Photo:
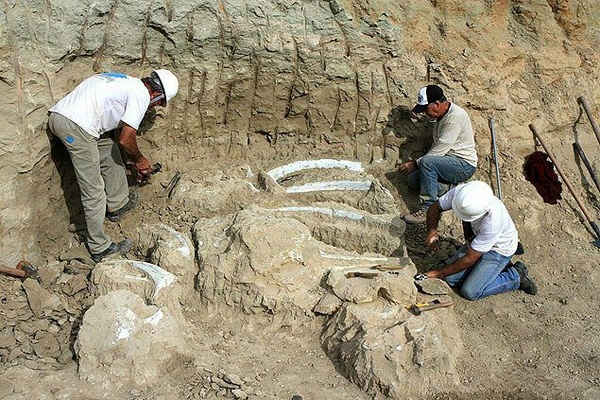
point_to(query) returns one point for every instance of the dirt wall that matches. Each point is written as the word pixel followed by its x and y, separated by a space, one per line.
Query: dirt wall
pixel 260 80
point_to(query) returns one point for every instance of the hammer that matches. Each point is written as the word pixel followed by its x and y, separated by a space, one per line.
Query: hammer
pixel 23 270
pixel 417 309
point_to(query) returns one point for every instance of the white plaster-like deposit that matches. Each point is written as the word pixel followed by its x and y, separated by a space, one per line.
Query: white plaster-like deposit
pixel 350 258
pixel 125 324
pixel 160 277
pixel 280 172
pixel 184 248
pixel 331 212
pixel 329 186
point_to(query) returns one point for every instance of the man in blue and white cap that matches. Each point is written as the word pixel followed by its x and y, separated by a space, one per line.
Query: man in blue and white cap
pixel 452 158
pixel 482 266
pixel 84 120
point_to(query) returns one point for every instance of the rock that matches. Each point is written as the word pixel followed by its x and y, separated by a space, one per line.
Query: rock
pixel 239 394
pixel 384 346
pixel 14 354
pixel 233 379
pixel 46 345
pixel 7 338
pixel 172 250
pixel 356 290
pixel 433 286
pixel 396 286
pixel 328 304
pixel 75 284
pixel 122 339
pixel 77 267
pixel 41 301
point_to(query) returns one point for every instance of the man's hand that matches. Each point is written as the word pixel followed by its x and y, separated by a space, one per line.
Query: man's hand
pixel 144 169
pixel 434 274
pixel 408 167
pixel 433 238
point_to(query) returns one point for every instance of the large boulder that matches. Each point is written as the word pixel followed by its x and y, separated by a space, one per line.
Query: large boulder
pixel 123 341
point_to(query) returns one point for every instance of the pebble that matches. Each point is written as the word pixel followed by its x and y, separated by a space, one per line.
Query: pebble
pixel 233 379
pixel 239 394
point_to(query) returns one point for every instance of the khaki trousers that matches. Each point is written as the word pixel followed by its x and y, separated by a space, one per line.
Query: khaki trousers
pixel 100 174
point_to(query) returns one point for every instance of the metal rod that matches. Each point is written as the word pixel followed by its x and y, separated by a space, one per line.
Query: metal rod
pixel 587 164
pixel 491 122
pixel 586 108
pixel 564 178
pixel 168 192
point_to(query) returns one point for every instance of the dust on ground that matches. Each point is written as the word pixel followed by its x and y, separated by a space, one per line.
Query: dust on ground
pixel 516 346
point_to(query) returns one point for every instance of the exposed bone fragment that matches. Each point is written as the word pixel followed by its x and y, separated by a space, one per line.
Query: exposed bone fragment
pixel 280 172
pixel 328 186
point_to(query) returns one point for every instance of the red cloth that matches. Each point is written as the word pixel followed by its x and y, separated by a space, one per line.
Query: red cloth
pixel 540 172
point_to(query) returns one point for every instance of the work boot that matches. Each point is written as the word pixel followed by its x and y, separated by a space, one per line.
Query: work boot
pixel 115 216
pixel 123 247
pixel 418 217
pixel 526 283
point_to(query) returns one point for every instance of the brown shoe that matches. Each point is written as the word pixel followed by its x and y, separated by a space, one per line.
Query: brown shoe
pixel 123 247
pixel 418 217
pixel 526 283
pixel 115 216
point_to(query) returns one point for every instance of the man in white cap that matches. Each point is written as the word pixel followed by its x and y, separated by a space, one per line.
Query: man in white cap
pixel 83 121
pixel 481 267
pixel 452 158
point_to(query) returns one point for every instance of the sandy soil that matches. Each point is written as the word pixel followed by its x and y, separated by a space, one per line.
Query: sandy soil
pixel 517 346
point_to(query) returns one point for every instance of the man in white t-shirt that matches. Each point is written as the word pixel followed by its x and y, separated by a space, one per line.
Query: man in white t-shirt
pixel 83 121
pixel 452 158
pixel 481 266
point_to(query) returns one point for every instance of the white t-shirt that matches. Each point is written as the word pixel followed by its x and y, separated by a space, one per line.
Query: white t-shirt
pixel 494 231
pixel 101 102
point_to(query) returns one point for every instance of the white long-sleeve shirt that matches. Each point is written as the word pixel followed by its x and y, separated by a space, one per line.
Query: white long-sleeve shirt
pixel 453 136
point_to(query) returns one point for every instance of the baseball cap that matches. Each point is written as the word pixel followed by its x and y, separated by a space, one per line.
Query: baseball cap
pixel 427 95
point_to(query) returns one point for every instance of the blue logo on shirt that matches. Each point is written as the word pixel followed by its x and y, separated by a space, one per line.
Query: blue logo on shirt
pixel 70 139
pixel 114 75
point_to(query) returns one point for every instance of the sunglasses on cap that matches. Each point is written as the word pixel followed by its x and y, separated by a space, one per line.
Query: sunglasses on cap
pixel 160 100
pixel 158 83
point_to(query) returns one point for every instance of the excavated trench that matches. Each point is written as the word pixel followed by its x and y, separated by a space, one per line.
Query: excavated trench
pixel 288 254
pixel 289 122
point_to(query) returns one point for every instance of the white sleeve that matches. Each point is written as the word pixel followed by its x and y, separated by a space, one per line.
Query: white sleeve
pixel 446 200
pixel 136 107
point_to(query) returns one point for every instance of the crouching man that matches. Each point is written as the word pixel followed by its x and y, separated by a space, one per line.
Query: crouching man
pixel 481 266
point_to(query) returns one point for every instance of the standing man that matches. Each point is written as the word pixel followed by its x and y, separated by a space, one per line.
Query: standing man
pixel 481 266
pixel 452 158
pixel 83 119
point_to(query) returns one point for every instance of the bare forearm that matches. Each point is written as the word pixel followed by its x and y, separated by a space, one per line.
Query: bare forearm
pixel 464 262
pixel 128 141
pixel 451 269
pixel 434 214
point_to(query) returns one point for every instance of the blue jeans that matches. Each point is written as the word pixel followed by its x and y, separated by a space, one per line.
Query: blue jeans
pixel 486 277
pixel 435 169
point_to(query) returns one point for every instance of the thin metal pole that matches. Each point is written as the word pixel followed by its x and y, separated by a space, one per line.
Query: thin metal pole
pixel 586 108
pixel 491 122
pixel 587 164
